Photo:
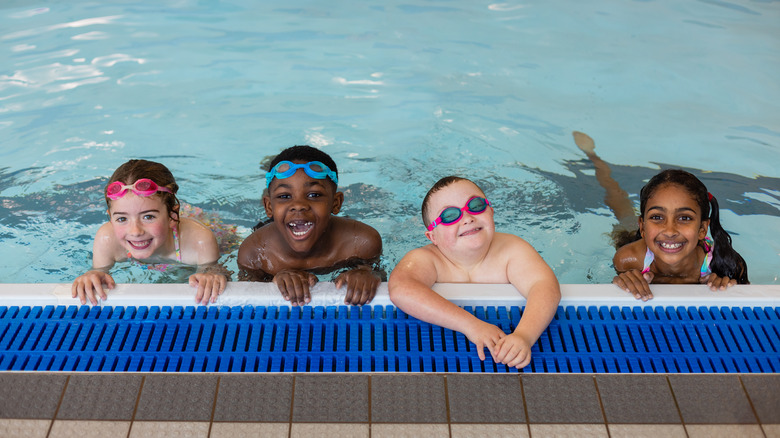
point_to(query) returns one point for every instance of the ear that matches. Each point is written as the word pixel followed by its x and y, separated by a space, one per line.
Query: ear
pixel 269 209
pixel 705 224
pixel 430 236
pixel 641 226
pixel 338 200
pixel 174 214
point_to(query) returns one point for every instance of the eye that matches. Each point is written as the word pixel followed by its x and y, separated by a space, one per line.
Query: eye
pixel 685 218
pixel 282 196
pixel 120 219
pixel 149 217
pixel 655 217
pixel 314 195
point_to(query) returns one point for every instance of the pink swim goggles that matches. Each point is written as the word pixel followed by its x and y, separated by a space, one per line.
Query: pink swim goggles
pixel 143 187
pixel 451 215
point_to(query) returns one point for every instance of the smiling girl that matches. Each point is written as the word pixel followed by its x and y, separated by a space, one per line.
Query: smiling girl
pixel 145 228
pixel 672 245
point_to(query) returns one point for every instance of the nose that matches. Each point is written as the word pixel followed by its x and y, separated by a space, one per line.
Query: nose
pixel 670 228
pixel 135 228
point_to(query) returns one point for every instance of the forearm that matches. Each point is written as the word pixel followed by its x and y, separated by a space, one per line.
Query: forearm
pixel 423 303
pixel 540 308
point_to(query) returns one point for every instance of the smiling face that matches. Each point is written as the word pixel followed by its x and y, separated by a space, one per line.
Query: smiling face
pixel 301 207
pixel 471 231
pixel 143 226
pixel 672 224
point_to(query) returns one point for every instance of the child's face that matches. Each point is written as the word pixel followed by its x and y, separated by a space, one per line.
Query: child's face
pixel 142 225
pixel 672 225
pixel 471 231
pixel 301 207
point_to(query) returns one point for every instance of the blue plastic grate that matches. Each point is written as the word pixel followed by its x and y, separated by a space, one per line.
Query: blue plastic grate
pixel 376 338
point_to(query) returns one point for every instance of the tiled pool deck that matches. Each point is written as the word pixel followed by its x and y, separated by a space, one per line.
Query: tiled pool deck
pixel 394 405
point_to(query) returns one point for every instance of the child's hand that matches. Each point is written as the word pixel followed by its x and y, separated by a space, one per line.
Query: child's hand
pixel 294 286
pixel 635 283
pixel 90 285
pixel 361 286
pixel 717 283
pixel 484 335
pixel 210 285
pixel 513 350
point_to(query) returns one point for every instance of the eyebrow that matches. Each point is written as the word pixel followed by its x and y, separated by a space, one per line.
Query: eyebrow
pixel 658 207
pixel 143 212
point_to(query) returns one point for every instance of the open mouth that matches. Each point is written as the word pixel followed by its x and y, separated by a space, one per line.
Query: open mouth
pixel 300 228
pixel 139 244
pixel 671 246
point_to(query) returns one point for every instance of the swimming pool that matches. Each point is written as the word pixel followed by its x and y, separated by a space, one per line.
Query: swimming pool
pixel 399 95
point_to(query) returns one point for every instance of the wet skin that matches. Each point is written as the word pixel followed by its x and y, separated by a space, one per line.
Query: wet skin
pixel 305 238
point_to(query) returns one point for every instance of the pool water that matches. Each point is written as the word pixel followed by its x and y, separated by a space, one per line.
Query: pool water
pixel 400 95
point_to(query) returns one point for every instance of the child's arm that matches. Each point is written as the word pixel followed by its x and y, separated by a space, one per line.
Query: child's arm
pixel 199 246
pixel 89 286
pixel 410 290
pixel 363 280
pixel 534 279
pixel 628 261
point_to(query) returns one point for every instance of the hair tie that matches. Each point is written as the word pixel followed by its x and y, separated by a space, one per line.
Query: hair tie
pixel 709 196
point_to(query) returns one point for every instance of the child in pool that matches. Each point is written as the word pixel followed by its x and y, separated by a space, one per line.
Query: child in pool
pixel 465 248
pixel 671 245
pixel 144 227
pixel 305 237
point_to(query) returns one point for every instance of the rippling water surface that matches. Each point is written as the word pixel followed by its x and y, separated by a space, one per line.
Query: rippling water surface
pixel 399 94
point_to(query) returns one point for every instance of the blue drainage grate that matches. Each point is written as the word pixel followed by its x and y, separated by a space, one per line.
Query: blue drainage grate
pixel 376 338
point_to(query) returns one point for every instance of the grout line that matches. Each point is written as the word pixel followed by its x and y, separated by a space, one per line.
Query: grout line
pixel 369 406
pixel 57 410
pixel 750 402
pixel 525 407
pixel 137 402
pixel 447 404
pixel 677 405
pixel 214 405
pixel 601 406
pixel 292 405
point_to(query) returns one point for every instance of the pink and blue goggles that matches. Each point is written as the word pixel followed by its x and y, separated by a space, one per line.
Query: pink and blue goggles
pixel 286 169
pixel 143 187
pixel 451 215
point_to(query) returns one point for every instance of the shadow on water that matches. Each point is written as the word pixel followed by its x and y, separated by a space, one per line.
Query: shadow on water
pixel 733 191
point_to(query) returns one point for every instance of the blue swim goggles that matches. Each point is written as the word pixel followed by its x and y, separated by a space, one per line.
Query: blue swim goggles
pixel 286 169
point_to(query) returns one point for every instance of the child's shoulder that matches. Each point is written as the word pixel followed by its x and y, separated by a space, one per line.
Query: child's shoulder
pixel 630 256
pixel 357 236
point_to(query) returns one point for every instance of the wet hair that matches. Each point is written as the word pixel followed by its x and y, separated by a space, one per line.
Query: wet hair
pixel 307 154
pixel 133 170
pixel 440 184
pixel 726 262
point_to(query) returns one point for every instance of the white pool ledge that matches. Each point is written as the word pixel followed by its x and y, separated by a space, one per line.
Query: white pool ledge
pixel 325 294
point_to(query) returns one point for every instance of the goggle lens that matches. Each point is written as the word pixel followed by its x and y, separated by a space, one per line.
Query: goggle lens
pixel 314 169
pixel 142 187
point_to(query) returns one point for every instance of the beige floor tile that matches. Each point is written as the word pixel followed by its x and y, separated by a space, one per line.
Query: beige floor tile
pixel 241 430
pixel 646 430
pixel 24 428
pixel 89 429
pixel 491 430
pixel 169 429
pixel 341 430
pixel 569 430
pixel 724 430
pixel 771 430
pixel 406 430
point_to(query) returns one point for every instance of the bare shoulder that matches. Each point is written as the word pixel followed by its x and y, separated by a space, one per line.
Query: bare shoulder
pixel 510 245
pixel 630 256
pixel 105 249
pixel 193 230
pixel 420 264
pixel 359 239
pixel 250 252
pixel 198 243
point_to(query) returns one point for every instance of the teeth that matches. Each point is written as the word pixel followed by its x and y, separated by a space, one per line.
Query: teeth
pixel 666 245
pixel 296 226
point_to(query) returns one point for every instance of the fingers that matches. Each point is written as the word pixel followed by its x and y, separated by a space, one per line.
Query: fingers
pixel 719 283
pixel 294 286
pixel 635 283
pixel 361 286
pixel 89 287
